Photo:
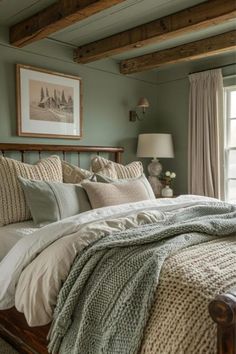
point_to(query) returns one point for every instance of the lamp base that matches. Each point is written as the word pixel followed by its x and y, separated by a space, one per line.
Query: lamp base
pixel 155 169
pixel 156 185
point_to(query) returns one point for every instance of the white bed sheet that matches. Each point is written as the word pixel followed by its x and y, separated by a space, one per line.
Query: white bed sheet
pixel 11 234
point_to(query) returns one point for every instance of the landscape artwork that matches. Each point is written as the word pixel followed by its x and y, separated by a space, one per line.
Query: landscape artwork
pixel 48 103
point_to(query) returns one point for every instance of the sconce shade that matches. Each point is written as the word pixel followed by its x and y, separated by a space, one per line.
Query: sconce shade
pixel 155 145
pixel 143 103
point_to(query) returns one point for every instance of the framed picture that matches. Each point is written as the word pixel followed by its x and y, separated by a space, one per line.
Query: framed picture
pixel 48 103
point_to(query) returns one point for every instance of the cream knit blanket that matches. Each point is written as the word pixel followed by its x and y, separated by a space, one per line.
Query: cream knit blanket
pixel 180 322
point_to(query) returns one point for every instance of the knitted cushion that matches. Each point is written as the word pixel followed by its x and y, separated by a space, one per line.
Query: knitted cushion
pixel 13 207
pixel 108 171
pixel 134 169
pixel 74 174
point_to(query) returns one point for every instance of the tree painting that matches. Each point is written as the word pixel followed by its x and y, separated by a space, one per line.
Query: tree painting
pixel 52 103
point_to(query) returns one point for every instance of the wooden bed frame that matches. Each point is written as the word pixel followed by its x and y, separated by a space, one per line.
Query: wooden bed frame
pixel 33 340
pixel 40 148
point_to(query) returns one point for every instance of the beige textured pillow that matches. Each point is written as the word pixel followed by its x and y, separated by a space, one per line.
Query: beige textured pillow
pixel 74 174
pixel 132 170
pixel 107 194
pixel 13 206
pixel 108 171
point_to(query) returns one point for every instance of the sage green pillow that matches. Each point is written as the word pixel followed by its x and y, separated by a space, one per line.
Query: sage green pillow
pixel 52 201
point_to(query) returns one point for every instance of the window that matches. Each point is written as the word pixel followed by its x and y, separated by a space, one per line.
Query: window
pixel 230 144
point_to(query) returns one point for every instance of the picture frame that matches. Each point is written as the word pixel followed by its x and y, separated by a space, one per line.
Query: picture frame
pixel 49 104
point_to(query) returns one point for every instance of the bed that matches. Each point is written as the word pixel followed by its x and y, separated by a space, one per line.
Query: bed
pixel 14 328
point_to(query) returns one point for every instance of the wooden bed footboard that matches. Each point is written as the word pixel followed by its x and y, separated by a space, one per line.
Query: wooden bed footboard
pixel 15 330
pixel 223 311
pixel 28 340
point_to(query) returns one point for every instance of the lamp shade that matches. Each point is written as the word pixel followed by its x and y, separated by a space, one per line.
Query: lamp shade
pixel 143 103
pixel 155 145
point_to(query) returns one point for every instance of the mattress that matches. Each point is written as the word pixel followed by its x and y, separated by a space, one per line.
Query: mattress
pixel 11 234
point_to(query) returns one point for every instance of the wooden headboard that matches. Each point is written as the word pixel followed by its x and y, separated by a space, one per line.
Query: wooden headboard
pixel 23 148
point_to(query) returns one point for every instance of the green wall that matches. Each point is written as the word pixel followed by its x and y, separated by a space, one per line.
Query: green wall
pixel 107 96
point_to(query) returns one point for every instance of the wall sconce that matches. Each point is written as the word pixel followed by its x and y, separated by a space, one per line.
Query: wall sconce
pixel 142 103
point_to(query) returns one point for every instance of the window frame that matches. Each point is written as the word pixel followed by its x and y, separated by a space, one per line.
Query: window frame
pixel 227 131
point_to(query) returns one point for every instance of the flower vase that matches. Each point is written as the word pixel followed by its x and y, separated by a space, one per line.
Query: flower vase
pixel 167 192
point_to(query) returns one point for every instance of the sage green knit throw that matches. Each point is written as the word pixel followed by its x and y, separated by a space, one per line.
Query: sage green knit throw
pixel 104 304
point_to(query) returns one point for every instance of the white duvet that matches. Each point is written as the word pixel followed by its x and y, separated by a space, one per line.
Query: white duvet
pixel 11 234
pixel 34 270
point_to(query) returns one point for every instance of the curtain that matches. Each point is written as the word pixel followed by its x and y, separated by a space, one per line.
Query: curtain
pixel 205 126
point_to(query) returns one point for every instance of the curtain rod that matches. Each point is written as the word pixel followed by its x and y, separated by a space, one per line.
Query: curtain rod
pixel 216 67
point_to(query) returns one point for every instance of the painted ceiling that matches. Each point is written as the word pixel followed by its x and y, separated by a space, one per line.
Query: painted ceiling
pixel 113 20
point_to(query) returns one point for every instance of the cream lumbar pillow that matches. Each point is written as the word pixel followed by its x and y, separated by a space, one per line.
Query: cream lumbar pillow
pixel 13 207
pixel 119 192
pixel 132 170
pixel 74 174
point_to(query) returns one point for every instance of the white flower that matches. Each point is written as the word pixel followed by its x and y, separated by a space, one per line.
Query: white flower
pixel 172 175
pixel 167 173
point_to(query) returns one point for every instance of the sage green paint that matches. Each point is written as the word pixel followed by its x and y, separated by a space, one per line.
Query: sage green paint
pixel 128 14
pixel 107 96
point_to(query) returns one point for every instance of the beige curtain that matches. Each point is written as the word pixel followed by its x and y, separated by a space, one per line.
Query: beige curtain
pixel 205 115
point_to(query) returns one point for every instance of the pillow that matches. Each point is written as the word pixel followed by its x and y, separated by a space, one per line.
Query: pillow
pixel 108 171
pixel 106 179
pixel 52 201
pixel 134 169
pixel 119 192
pixel 74 174
pixel 13 207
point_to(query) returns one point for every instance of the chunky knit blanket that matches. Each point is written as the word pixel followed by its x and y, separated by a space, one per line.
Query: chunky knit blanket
pixel 179 321
pixel 105 302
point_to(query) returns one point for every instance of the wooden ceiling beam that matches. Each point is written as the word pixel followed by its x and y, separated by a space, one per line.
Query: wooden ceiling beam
pixel 194 18
pixel 186 52
pixel 58 16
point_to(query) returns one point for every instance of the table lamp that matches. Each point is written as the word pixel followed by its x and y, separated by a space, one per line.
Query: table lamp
pixel 155 146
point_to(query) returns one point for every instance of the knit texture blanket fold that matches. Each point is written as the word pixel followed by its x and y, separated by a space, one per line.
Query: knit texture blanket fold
pixel 104 304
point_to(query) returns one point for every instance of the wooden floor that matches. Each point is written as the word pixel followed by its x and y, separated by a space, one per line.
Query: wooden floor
pixel 25 339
